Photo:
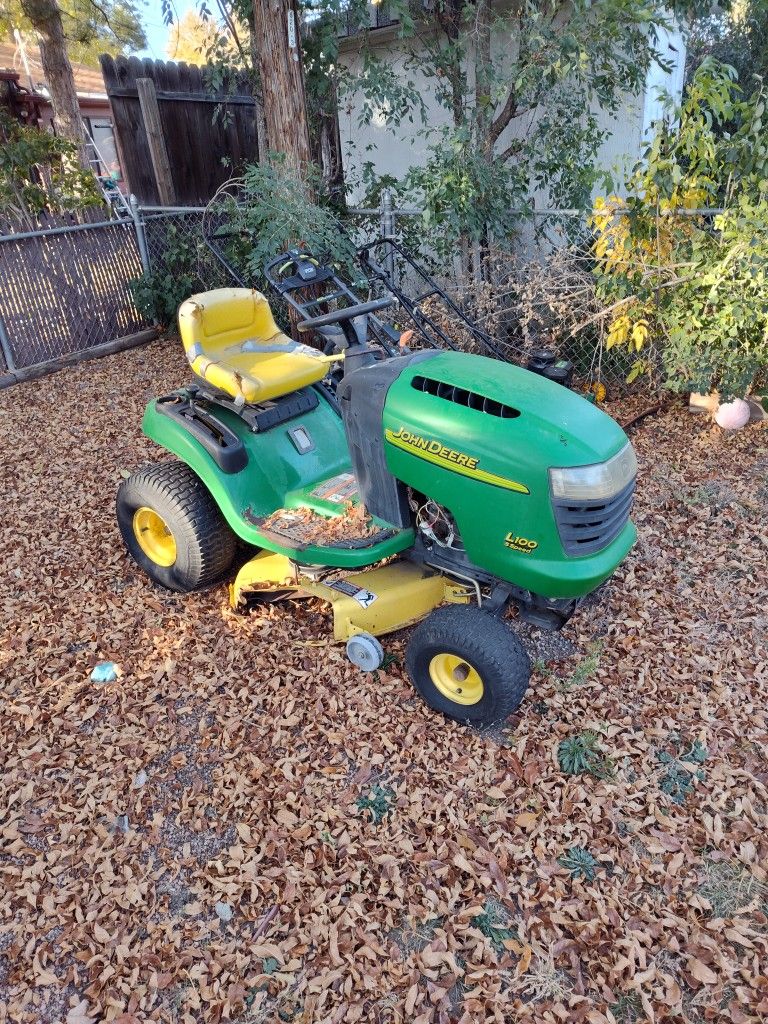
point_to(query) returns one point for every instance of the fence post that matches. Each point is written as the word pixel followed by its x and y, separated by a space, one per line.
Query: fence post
pixel 141 236
pixel 5 348
pixel 387 227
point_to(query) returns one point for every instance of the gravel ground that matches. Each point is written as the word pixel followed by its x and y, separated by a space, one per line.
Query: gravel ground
pixel 243 826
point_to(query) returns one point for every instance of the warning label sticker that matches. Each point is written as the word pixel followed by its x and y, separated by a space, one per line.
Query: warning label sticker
pixel 364 598
pixel 338 489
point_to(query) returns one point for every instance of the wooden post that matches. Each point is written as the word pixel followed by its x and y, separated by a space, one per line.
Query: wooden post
pixel 157 151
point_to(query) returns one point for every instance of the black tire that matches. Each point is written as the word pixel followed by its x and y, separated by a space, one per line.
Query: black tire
pixel 205 545
pixel 483 643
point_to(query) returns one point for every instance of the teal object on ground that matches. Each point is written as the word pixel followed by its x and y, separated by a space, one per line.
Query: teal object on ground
pixel 104 672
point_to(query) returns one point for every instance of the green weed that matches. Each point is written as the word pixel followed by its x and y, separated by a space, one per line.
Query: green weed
pixel 580 862
pixel 677 780
pixel 581 755
pixel 494 923
pixel 628 1008
pixel 585 669
pixel 388 661
pixel 379 803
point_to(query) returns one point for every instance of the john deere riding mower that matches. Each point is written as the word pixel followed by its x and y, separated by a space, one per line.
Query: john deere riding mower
pixel 431 487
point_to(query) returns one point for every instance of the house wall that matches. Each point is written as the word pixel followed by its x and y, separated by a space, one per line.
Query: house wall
pixel 394 150
pixel 391 150
pixel 97 116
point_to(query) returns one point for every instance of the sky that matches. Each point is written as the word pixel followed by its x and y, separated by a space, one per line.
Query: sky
pixel 156 31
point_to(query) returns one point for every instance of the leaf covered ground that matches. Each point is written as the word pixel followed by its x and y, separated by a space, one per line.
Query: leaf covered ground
pixel 243 826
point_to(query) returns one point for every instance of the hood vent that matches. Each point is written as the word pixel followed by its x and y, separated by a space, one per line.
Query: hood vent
pixel 461 396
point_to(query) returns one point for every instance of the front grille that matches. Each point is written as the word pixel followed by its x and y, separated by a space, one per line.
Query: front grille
pixel 589 526
pixel 461 396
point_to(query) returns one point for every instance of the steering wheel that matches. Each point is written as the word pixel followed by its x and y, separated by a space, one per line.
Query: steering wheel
pixel 340 315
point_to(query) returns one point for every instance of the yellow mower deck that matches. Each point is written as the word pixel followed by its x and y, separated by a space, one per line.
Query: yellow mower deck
pixel 376 601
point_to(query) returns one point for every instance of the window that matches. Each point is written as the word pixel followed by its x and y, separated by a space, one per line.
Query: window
pixel 102 147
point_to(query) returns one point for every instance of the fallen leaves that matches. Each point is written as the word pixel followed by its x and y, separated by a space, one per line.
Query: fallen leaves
pixel 79 1014
pixel 354 523
pixel 224 768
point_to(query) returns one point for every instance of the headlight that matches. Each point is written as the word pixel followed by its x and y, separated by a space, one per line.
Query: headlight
pixel 593 483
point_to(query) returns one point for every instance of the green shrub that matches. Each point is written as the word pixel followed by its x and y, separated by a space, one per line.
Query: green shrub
pixel 693 286
pixel 39 172
pixel 159 294
pixel 272 209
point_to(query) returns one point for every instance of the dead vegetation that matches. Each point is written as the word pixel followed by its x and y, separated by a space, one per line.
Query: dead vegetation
pixel 354 523
pixel 194 842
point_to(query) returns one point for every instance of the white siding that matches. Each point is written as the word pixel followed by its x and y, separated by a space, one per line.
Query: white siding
pixel 394 150
pixel 671 45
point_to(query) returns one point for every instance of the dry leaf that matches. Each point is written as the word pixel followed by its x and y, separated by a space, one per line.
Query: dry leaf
pixel 79 1014
pixel 525 961
pixel 701 972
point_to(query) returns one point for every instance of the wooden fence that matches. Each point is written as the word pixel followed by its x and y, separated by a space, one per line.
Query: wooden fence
pixel 64 288
pixel 177 138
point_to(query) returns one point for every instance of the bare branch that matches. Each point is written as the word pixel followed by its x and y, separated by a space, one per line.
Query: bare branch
pixel 230 23
pixel 502 119
pixel 512 150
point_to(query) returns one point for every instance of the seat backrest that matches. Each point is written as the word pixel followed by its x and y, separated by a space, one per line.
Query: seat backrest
pixel 225 316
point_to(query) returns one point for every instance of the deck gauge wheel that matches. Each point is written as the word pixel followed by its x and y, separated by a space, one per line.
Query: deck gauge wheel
pixel 365 651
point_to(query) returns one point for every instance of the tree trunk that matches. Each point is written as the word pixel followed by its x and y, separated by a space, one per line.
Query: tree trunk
pixel 326 146
pixel 261 128
pixel 450 17
pixel 282 79
pixel 483 116
pixel 483 78
pixel 45 17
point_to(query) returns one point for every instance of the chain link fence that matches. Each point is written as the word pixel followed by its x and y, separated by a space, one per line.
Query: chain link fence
pixel 64 289
pixel 174 242
pixel 541 291
pixel 68 288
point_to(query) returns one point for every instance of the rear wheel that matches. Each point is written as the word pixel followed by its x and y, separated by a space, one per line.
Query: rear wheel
pixel 172 527
pixel 468 664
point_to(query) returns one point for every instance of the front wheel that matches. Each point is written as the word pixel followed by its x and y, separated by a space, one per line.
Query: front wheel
pixel 468 664
pixel 173 528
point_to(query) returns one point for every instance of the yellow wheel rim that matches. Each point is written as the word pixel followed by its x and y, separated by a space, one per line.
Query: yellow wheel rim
pixel 155 539
pixel 456 679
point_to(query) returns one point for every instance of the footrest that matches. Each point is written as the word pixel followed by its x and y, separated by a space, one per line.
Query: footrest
pixel 301 527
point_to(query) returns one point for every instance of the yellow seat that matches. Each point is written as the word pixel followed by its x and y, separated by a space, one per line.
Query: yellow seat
pixel 232 342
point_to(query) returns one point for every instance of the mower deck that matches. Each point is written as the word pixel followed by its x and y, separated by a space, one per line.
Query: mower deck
pixel 377 601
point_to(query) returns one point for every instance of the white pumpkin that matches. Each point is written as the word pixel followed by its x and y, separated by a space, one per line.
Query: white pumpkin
pixel 733 415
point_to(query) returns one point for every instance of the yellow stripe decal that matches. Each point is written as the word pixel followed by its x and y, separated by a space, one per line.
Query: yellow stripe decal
pixel 439 460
